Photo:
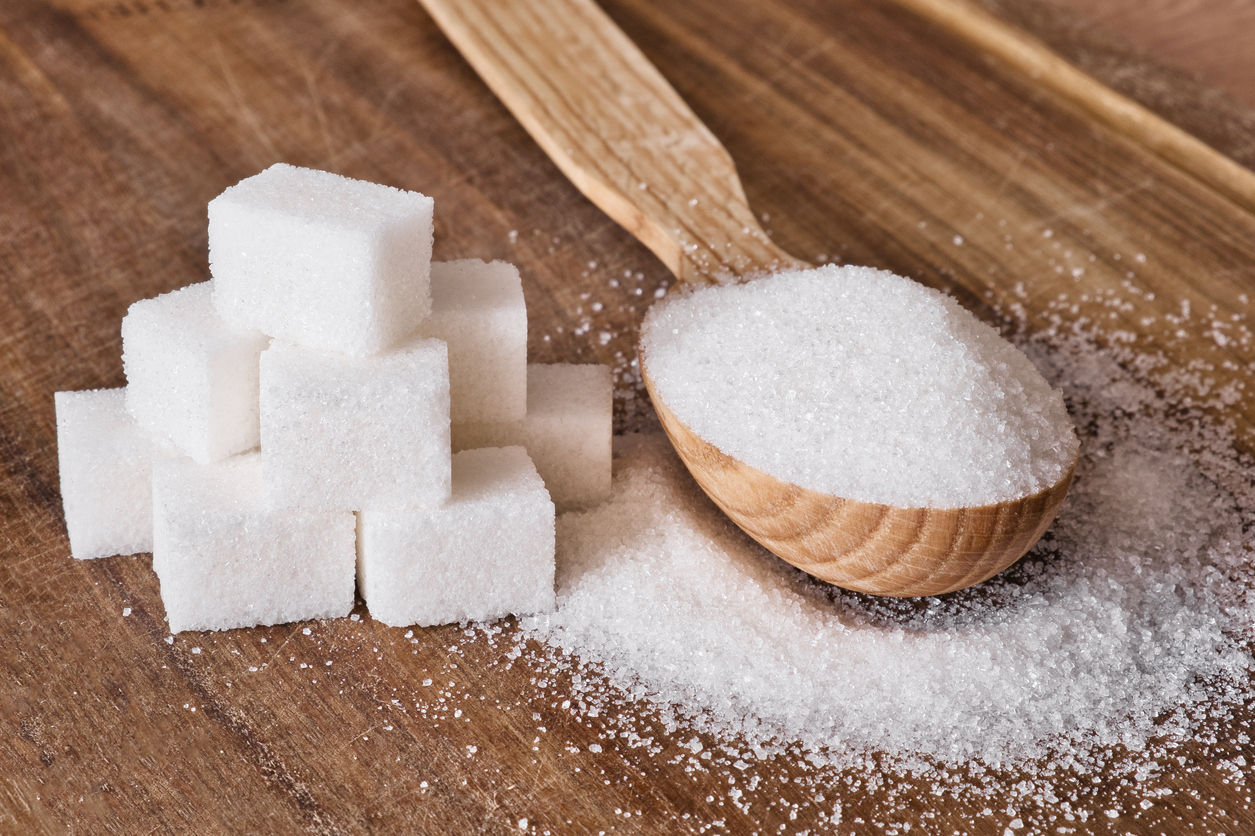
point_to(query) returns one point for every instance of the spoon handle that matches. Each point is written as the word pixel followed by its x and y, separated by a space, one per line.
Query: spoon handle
pixel 617 129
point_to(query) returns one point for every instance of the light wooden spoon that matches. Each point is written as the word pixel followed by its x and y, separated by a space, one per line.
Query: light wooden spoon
pixel 627 140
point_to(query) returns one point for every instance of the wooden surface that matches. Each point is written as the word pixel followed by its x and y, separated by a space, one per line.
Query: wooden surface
pixel 1201 33
pixel 1203 38
pixel 861 133
pixel 1025 53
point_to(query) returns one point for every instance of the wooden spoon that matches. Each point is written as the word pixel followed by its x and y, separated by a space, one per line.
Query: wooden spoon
pixel 627 140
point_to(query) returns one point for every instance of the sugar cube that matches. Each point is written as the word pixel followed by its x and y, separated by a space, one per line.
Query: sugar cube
pixel 321 260
pixel 348 433
pixel 566 431
pixel 478 310
pixel 105 461
pixel 191 378
pixel 224 561
pixel 487 552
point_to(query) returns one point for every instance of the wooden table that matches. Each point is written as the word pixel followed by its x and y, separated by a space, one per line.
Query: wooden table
pixel 1204 38
pixel 862 132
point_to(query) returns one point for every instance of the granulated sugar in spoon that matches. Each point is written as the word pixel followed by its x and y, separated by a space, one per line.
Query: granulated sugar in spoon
pixel 862 427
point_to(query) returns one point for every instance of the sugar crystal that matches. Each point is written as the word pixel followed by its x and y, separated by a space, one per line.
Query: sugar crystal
pixel 861 384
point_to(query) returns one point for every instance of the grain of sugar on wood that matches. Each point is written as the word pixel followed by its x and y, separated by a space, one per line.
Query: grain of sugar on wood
pixel 1098 654
pixel 1124 633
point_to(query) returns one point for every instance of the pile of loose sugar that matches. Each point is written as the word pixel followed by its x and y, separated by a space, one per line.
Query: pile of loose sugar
pixel 1113 633
pixel 861 384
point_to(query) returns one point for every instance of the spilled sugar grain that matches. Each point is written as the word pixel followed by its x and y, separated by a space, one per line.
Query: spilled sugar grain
pixel 1132 615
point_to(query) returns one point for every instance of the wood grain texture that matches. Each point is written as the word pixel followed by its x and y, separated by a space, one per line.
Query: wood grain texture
pixel 1124 58
pixel 864 546
pixel 1193 35
pixel 973 24
pixel 614 125
pixel 851 123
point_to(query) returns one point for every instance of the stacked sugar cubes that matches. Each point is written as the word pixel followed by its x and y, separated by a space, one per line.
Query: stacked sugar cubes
pixel 329 340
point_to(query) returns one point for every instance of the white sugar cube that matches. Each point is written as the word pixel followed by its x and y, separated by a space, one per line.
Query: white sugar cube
pixel 487 552
pixel 224 561
pixel 106 462
pixel 345 433
pixel 321 260
pixel 478 310
pixel 191 378
pixel 567 431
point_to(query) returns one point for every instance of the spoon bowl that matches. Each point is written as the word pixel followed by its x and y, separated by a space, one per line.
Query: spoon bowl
pixel 864 546
pixel 626 139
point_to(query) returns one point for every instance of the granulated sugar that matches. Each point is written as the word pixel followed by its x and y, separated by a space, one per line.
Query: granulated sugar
pixel 1127 617
pixel 861 384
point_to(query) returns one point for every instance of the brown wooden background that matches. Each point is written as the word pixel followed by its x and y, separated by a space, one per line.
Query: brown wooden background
pixel 861 133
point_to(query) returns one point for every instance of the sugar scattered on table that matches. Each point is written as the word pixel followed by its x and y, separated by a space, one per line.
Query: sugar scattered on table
pixel 1109 636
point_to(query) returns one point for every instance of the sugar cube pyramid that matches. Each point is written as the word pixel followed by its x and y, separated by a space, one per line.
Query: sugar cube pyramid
pixel 288 430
